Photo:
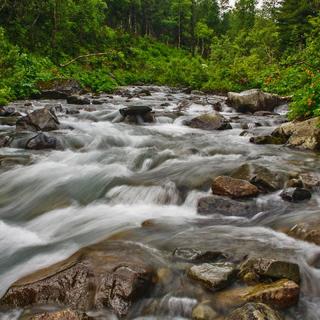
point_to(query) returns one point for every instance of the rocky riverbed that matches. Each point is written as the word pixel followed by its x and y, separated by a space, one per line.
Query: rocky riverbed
pixel 157 203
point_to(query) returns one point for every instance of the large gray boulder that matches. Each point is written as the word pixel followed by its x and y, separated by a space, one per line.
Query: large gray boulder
pixel 301 134
pixel 254 100
pixel 39 120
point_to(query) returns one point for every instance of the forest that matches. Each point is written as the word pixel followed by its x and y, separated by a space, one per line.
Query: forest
pixel 202 44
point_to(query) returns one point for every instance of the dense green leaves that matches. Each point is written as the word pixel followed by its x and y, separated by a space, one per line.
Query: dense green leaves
pixel 204 44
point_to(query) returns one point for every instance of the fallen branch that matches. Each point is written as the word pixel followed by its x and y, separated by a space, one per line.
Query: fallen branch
pixel 83 56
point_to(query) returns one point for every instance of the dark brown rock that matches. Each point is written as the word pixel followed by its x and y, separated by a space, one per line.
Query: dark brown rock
pixel 58 89
pixel 79 100
pixel 211 121
pixel 234 188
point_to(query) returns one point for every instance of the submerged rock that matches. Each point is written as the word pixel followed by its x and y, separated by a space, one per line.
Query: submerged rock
pixel 79 100
pixel 296 195
pixel 281 294
pixel 253 100
pixel 261 268
pixel 254 311
pixel 210 121
pixel 110 275
pixel 214 276
pixel 234 188
pixel 226 206
pixel 39 120
pixel 197 255
pixel 42 141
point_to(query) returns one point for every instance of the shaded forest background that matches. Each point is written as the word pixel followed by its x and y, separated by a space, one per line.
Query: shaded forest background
pixel 202 44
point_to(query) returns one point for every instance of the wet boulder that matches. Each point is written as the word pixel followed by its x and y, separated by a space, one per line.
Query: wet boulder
pixel 210 121
pixel 253 100
pixel 257 269
pixel 263 178
pixel 226 206
pixel 254 311
pixel 309 232
pixel 137 114
pixel 58 89
pixel 67 314
pixel 233 188
pixel 214 276
pixel 301 134
pixel 78 100
pixel 197 255
pixel 42 141
pixel 39 120
pixel 111 274
pixel 296 195
pixel 281 294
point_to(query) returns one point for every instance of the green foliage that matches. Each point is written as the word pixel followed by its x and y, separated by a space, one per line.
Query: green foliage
pixel 204 45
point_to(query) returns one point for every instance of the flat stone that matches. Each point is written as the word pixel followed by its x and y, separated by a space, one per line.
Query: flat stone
pixel 214 276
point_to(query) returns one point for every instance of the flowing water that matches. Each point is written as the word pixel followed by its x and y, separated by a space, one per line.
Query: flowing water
pixel 111 176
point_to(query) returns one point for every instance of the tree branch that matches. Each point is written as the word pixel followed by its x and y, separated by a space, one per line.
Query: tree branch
pixel 83 56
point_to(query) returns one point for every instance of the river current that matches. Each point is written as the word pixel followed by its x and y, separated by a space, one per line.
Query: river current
pixel 111 176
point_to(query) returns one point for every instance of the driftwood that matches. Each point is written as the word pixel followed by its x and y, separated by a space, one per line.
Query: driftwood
pixel 83 56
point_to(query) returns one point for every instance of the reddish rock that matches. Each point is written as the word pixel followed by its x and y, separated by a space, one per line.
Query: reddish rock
pixel 233 188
